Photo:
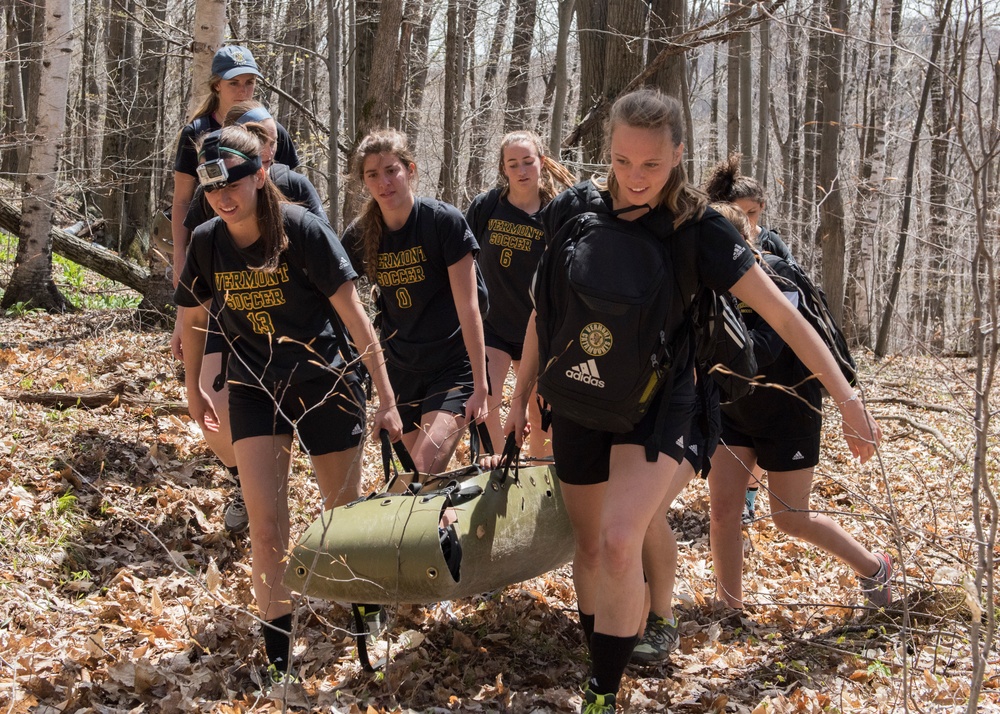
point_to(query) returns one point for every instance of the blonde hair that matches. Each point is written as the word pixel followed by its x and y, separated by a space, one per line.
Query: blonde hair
pixel 270 222
pixel 649 109
pixel 210 104
pixel 735 215
pixel 370 222
pixel 551 170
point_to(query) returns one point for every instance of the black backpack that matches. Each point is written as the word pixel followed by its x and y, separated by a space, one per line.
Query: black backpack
pixel 816 311
pixel 603 293
pixel 723 346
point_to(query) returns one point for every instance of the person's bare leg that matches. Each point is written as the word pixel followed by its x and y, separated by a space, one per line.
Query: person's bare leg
pixel 221 441
pixel 263 462
pixel 789 498
pixel 433 444
pixel 659 549
pixel 727 483
pixel 498 364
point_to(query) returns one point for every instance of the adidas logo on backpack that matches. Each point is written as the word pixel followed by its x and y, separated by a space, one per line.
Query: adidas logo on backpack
pixel 587 373
pixel 605 289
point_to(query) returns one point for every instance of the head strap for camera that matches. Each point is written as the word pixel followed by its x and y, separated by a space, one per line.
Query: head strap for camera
pixel 213 172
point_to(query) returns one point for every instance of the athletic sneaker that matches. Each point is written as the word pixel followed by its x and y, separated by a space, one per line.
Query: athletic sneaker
pixel 235 518
pixel 374 617
pixel 878 588
pixel 658 640
pixel 594 703
pixel 749 507
pixel 272 680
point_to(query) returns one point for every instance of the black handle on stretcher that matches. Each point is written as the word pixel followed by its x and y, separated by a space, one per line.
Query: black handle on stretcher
pixel 479 442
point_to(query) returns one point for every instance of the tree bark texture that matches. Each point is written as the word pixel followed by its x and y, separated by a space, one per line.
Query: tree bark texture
pixel 832 238
pixel 31 281
pixel 562 78
pixel 209 32
pixel 515 116
pixel 482 120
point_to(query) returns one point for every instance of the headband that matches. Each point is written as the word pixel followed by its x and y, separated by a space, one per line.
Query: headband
pixel 255 114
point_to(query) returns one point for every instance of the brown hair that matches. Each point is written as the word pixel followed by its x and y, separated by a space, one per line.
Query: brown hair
pixel 551 170
pixel 369 221
pixel 732 213
pixel 270 222
pixel 725 183
pixel 649 109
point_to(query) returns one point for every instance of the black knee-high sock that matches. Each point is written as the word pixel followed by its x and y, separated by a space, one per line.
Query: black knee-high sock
pixel 587 623
pixel 609 656
pixel 277 641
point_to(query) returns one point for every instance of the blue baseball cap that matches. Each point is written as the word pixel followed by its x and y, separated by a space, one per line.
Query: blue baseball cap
pixel 232 61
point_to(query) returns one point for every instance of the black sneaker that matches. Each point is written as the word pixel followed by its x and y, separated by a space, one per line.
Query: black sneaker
pixel 594 703
pixel 235 518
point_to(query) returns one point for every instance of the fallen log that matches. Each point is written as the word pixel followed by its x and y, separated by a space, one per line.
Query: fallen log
pixel 94 257
pixel 93 399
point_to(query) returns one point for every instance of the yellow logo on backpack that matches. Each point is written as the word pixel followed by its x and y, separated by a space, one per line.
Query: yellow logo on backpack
pixel 595 339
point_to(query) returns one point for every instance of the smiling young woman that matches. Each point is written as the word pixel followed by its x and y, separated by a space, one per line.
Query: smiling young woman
pixel 613 484
pixel 291 371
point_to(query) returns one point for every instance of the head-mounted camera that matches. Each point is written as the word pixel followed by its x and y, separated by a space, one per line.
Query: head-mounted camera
pixel 213 172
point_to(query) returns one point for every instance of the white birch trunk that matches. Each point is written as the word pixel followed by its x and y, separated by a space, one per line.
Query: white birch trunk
pixel 31 280
pixel 209 33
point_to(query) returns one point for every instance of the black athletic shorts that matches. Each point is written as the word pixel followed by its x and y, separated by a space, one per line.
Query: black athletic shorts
pixel 583 456
pixel 328 412
pixel 775 453
pixel 417 393
pixel 494 340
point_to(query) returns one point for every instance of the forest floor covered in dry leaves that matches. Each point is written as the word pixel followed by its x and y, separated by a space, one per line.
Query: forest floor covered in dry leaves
pixel 120 591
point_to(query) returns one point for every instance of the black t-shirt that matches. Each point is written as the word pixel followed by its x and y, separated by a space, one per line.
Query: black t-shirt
pixel 511 244
pixel 186 160
pixel 769 411
pixel 420 329
pixel 261 308
pixel 293 186
pixel 769 241
pixel 706 253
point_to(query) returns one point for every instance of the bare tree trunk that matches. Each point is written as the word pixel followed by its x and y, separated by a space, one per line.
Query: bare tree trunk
pixel 763 154
pixel 418 64
pixel 885 326
pixel 115 182
pixel 746 104
pixel 831 236
pixel 879 79
pixel 374 112
pixel 334 18
pixel 453 84
pixel 811 134
pixel 939 278
pixel 31 281
pixel 20 26
pixel 562 79
pixel 515 113
pixel 483 118
pixel 733 95
pixel 591 27
pixel 666 20
pixel 141 150
pixel 294 79
pixel 209 32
